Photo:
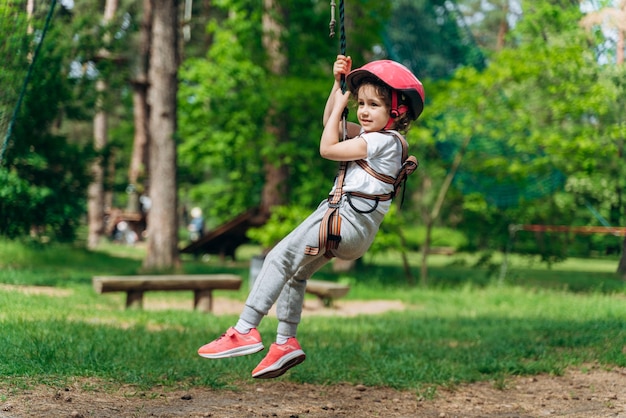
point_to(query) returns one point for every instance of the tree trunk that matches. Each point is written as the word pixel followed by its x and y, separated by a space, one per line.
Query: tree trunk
pixel 408 274
pixel 95 191
pixel 619 57
pixel 275 186
pixel 276 174
pixel 162 251
pixel 503 28
pixel 434 214
pixel 621 268
pixel 141 111
pixel 425 251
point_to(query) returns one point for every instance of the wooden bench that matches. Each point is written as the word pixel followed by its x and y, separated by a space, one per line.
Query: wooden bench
pixel 135 286
pixel 327 291
pixel 442 250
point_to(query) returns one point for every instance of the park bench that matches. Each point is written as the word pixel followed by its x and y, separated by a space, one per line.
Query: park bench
pixel 327 292
pixel 442 250
pixel 202 286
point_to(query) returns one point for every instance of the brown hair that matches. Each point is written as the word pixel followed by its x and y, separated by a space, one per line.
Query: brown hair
pixel 403 122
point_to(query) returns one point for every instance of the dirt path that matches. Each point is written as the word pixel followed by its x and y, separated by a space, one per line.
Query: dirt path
pixel 596 393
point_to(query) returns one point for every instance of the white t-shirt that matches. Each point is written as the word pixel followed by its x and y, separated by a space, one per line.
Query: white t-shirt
pixel 384 155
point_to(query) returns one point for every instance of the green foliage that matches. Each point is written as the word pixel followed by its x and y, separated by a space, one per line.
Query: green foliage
pixel 225 101
pixel 223 160
pixel 18 202
pixel 441 237
pixel 541 108
pixel 397 233
pixel 220 137
pixel 14 50
pixel 539 119
pixel 46 176
pixel 283 220
pixel 430 38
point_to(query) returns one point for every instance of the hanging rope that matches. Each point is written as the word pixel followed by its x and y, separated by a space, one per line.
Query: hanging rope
pixel 342 39
pixel 342 51
pixel 333 21
pixel 330 227
pixel 25 84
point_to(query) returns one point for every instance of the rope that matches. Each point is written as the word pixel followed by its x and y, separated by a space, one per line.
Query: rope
pixel 25 84
pixel 342 50
pixel 330 226
pixel 342 40
pixel 333 21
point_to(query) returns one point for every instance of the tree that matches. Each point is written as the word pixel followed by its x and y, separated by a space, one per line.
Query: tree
pixel 223 106
pixel 430 37
pixel 490 21
pixel 612 18
pixel 615 19
pixel 141 139
pixel 276 172
pixel 225 99
pixel 43 175
pixel 162 251
pixel 95 192
pixel 535 106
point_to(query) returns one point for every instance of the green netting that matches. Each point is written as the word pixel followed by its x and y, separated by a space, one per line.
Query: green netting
pixel 20 40
pixel 496 182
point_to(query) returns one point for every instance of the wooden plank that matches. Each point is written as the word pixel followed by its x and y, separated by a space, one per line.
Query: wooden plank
pixel 134 299
pixel 203 300
pixel 613 230
pixel 325 289
pixel 103 284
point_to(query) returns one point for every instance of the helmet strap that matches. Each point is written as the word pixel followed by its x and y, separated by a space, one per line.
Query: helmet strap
pixel 396 110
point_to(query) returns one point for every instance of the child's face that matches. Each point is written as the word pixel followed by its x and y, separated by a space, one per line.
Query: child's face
pixel 372 112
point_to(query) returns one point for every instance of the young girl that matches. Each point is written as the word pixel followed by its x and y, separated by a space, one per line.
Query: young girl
pixel 389 97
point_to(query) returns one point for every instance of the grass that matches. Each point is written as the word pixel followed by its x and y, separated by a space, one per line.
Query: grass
pixel 468 325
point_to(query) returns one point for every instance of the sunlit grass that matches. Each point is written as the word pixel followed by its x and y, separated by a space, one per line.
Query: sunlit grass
pixel 467 326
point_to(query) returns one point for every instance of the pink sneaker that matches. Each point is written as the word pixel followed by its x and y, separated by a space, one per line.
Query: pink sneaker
pixel 232 344
pixel 279 359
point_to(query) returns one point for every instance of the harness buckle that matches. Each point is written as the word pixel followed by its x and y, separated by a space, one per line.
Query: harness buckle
pixel 334 238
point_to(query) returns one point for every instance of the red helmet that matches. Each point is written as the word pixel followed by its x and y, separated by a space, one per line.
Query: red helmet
pixel 396 76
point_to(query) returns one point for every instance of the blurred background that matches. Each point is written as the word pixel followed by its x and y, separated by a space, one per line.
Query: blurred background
pixel 193 128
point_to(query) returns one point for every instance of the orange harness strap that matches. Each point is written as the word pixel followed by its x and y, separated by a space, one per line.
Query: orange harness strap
pixel 330 227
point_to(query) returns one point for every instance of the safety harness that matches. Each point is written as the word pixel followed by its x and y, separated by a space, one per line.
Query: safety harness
pixel 330 227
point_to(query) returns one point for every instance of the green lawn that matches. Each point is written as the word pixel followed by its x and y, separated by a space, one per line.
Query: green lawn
pixel 468 325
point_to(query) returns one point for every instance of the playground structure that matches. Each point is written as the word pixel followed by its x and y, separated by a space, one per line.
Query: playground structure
pixel 617 231
pixel 583 230
pixel 225 239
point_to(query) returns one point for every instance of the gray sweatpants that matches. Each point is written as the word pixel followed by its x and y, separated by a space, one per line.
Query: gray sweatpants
pixel 282 279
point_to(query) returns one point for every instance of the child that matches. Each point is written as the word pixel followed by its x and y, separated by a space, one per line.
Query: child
pixel 389 96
